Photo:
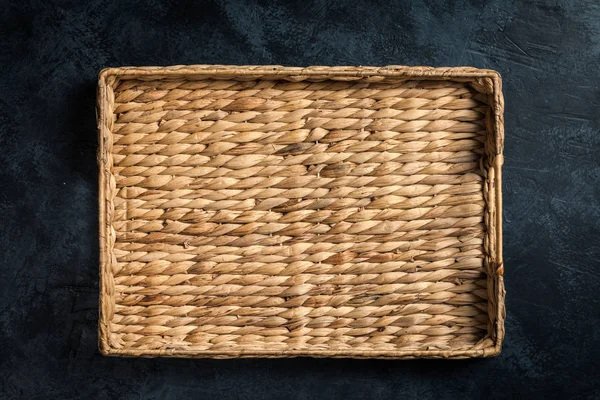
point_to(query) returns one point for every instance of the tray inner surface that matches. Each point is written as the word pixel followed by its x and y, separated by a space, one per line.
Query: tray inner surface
pixel 324 215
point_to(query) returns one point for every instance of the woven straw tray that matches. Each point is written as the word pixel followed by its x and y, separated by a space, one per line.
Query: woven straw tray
pixel 266 211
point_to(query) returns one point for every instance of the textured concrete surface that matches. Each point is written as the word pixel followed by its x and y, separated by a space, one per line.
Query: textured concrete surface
pixel 50 53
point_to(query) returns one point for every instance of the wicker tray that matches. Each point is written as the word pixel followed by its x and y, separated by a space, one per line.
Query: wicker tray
pixel 281 212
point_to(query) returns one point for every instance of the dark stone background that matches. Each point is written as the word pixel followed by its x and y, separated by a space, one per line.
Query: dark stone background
pixel 50 53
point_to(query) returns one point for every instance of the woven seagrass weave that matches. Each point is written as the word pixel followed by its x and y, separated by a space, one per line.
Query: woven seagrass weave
pixel 279 212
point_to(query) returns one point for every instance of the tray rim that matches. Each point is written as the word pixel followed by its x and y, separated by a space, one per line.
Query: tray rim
pixel 483 80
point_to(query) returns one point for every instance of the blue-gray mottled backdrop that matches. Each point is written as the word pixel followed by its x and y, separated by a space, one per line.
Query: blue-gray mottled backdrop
pixel 50 53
